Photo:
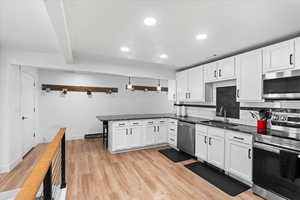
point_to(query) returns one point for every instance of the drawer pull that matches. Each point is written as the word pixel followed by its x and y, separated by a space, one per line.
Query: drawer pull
pixel 172 139
pixel 122 124
pixel 238 138
pixel 136 123
pixel 171 129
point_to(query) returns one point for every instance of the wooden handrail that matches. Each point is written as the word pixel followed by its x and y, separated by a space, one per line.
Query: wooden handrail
pixel 32 185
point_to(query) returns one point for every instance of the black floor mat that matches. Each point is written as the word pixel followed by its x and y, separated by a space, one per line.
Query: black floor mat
pixel 174 155
pixel 225 183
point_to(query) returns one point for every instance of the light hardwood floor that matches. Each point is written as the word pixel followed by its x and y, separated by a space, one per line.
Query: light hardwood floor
pixel 94 174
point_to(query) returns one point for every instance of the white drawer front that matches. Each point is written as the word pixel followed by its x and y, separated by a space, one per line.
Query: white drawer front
pixel 201 128
pixel 136 123
pixel 119 124
pixel 239 137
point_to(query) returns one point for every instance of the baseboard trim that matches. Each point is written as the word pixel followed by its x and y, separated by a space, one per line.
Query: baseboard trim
pixel 139 148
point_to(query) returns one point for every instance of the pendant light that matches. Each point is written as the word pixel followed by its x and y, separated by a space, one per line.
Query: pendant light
pixel 129 86
pixel 158 88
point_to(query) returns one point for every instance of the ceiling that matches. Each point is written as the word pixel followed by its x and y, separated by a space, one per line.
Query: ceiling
pixel 26 25
pixel 100 27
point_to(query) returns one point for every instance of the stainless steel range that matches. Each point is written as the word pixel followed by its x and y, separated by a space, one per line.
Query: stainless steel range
pixel 276 161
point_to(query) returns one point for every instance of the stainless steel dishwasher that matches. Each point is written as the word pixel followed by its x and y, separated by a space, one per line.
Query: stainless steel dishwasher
pixel 186 137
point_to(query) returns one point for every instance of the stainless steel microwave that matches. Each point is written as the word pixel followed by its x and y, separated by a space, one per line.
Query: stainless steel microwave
pixel 282 85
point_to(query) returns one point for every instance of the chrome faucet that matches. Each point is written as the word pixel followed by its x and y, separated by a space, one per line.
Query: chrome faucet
pixel 224 113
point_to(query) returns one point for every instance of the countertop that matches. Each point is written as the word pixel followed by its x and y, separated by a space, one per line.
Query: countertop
pixel 238 127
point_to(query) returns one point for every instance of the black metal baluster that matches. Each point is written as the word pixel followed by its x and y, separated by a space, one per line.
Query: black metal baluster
pixel 47 190
pixel 63 162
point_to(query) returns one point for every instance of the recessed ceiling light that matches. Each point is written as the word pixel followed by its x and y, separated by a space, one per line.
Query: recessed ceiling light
pixel 201 37
pixel 149 21
pixel 163 56
pixel 124 49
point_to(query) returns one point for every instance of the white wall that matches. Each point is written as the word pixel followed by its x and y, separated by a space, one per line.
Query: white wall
pixel 78 112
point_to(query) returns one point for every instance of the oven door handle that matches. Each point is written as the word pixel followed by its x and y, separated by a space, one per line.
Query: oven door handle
pixel 273 149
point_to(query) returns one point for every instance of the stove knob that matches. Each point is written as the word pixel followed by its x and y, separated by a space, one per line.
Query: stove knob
pixel 282 118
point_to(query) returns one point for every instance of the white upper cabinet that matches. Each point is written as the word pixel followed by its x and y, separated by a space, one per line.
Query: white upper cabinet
pixel 279 56
pixel 190 85
pixel 210 72
pixel 172 90
pixel 182 85
pixel 196 84
pixel 226 68
pixel 297 53
pixel 220 70
pixel 249 76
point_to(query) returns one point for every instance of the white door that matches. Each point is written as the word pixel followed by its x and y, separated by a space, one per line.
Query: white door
pixel 121 139
pixel 249 76
pixel 27 111
pixel 210 72
pixel 182 85
pixel 135 139
pixel 201 146
pixel 162 134
pixel 240 160
pixel 226 68
pixel 216 151
pixel 196 84
pixel 279 56
pixel 149 135
pixel 297 53
pixel 172 90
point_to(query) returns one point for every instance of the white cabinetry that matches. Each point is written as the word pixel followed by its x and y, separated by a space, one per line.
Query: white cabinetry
pixel 220 71
pixel 172 133
pixel 121 138
pixel 297 53
pixel 190 85
pixel 239 155
pixel 279 56
pixel 216 147
pixel 249 76
pixel 201 142
pixel 161 132
pixel 210 145
pixel 182 85
pixel 172 90
pixel 226 68
pixel 196 84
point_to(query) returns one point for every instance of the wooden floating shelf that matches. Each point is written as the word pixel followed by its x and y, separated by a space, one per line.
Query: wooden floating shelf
pixel 79 88
pixel 148 88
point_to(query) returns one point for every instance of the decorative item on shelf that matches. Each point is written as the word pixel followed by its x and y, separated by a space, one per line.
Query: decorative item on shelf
pixel 109 92
pixel 129 86
pixel 158 88
pixel 89 92
pixel 48 90
pixel 64 91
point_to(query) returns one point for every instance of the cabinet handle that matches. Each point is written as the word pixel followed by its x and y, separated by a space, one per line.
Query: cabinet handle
pixel 215 73
pixel 291 59
pixel 172 129
pixel 172 139
pixel 249 153
pixel 220 72
pixel 157 128
pixel 130 131
pixel 238 138
pixel 126 131
pixel 121 124
pixel 205 140
pixel 189 95
pixel 154 128
pixel 238 93
pixel 136 123
pixel 209 141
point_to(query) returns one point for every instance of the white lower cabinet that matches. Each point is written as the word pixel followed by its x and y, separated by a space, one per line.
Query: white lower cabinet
pixel 210 145
pixel 126 135
pixel 239 155
pixel 201 145
pixel 216 151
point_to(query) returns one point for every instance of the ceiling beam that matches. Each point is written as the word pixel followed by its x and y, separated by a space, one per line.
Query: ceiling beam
pixel 57 14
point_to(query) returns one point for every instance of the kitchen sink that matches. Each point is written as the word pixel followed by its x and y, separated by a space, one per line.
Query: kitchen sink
pixel 219 123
